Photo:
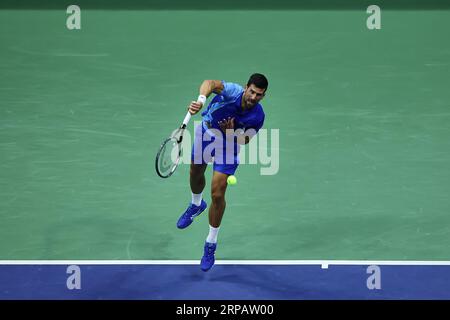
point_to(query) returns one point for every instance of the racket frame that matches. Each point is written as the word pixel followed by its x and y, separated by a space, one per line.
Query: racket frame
pixel 180 132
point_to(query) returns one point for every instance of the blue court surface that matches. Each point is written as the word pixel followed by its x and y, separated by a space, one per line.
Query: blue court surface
pixel 228 280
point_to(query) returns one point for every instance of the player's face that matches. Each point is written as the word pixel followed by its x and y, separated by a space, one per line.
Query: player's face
pixel 252 95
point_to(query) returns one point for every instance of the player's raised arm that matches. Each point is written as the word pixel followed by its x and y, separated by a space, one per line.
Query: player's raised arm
pixel 207 87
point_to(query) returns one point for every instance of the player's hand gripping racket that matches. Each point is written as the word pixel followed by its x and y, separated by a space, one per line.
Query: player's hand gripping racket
pixel 169 153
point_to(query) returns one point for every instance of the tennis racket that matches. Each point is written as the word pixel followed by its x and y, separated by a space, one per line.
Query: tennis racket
pixel 169 153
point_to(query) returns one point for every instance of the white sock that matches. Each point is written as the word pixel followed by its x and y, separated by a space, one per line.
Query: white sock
pixel 197 198
pixel 212 236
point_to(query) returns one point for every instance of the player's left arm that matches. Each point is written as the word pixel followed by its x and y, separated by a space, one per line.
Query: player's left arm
pixel 242 137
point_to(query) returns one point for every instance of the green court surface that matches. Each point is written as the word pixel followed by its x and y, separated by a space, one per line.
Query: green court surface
pixel 363 119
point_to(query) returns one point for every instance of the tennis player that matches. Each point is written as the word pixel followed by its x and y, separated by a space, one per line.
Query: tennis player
pixel 232 118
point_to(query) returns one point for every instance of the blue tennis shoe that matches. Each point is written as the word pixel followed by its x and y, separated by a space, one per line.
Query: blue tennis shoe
pixel 191 212
pixel 208 258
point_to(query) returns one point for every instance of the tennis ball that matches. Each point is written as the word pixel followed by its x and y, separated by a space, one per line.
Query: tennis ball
pixel 231 180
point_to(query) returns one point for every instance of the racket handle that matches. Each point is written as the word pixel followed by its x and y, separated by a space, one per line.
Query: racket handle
pixel 186 119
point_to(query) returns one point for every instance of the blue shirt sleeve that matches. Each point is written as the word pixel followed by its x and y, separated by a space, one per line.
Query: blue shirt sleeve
pixel 231 90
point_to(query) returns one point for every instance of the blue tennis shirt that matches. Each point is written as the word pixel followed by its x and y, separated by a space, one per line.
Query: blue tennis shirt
pixel 228 104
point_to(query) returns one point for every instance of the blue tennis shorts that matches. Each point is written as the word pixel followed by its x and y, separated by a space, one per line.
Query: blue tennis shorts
pixel 211 146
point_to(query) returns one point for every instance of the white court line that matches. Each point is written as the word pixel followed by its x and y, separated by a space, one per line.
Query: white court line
pixel 323 263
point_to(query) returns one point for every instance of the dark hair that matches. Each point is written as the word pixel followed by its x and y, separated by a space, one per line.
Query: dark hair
pixel 259 80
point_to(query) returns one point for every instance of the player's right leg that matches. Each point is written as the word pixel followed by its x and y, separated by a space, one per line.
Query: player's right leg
pixel 196 180
pixel 197 205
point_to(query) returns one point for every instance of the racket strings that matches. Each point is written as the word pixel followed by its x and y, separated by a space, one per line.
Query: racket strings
pixel 168 158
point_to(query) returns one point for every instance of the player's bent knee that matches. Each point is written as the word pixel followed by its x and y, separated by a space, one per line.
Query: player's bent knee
pixel 217 196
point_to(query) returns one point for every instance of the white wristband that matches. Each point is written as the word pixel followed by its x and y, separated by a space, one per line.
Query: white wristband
pixel 201 98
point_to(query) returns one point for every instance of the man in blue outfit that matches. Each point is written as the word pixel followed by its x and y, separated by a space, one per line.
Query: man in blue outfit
pixel 233 116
